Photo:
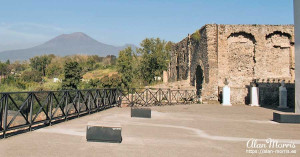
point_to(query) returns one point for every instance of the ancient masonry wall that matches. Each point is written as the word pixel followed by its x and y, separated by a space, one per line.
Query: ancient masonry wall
pixel 254 52
pixel 240 53
pixel 210 62
pixel 178 68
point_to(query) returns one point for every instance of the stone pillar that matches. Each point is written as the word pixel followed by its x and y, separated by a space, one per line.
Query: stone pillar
pixel 189 62
pixel 282 96
pixel 254 96
pixel 165 77
pixel 226 94
pixel 297 54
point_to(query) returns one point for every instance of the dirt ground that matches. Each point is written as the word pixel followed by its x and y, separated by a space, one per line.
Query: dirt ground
pixel 181 130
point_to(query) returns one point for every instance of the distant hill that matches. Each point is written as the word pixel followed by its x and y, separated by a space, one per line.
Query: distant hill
pixel 63 45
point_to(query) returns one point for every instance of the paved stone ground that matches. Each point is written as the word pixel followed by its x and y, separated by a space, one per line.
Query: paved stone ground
pixel 182 130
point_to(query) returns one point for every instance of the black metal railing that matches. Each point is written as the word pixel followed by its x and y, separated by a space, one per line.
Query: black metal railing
pixel 21 111
pixel 156 97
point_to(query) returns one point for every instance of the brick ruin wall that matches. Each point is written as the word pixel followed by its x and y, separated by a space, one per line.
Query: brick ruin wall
pixel 178 68
pixel 240 53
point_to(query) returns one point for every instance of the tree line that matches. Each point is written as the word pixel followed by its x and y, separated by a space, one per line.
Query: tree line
pixel 135 68
pixel 150 60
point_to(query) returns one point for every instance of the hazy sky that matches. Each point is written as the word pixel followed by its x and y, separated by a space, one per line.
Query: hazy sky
pixel 26 23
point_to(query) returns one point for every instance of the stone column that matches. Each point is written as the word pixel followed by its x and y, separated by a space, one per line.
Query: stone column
pixel 189 63
pixel 226 94
pixel 282 96
pixel 254 95
pixel 297 54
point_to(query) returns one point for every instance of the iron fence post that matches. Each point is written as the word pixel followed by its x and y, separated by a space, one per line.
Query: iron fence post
pixel 146 97
pixel 119 97
pixel 66 107
pixel 1 112
pixel 170 96
pixel 78 104
pixel 97 103
pixel 89 102
pixel 132 99
pixel 5 116
pixel 109 98
pixel 97 99
pixel 50 108
pixel 185 95
pixel 159 96
pixel 31 110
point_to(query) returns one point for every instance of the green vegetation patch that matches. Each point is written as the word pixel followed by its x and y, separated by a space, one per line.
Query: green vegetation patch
pixel 196 36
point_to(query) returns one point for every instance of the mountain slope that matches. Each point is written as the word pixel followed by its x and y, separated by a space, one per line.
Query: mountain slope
pixel 63 45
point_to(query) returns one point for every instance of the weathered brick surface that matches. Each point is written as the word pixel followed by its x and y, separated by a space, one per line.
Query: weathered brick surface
pixel 241 53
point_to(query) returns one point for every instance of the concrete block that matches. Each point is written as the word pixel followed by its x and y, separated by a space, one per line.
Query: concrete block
pixel 281 117
pixel 254 96
pixel 104 132
pixel 226 96
pixel 141 112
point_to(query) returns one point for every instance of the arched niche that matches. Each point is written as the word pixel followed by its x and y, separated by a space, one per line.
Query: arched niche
pixel 278 54
pixel 240 58
pixel 278 39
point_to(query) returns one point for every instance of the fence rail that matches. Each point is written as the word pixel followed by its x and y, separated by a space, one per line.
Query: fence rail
pixel 156 97
pixel 21 110
pixel 25 110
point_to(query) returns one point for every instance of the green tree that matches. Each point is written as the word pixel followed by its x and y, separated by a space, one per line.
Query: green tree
pixel 33 75
pixel 154 58
pixel 17 66
pixel 40 63
pixel 115 80
pixel 125 66
pixel 94 83
pixel 105 81
pixel 4 70
pixel 7 62
pixel 54 70
pixel 72 75
pixel 90 63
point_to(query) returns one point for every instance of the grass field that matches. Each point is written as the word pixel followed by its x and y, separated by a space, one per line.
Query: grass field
pixel 99 73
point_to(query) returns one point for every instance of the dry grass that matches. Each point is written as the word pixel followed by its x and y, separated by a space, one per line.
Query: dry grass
pixel 99 73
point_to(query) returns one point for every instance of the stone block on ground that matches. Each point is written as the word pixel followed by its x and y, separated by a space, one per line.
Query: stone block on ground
pixel 104 132
pixel 282 117
pixel 141 112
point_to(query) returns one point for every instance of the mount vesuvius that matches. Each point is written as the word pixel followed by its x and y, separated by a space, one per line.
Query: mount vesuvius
pixel 63 45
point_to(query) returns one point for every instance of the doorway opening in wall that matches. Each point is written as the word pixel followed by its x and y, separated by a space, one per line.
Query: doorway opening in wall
pixel 177 72
pixel 199 80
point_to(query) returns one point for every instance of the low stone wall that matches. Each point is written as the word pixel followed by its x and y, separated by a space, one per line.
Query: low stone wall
pixel 237 95
pixel 269 94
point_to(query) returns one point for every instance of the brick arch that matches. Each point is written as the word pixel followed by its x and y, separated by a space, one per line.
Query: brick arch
pixel 278 33
pixel 243 34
